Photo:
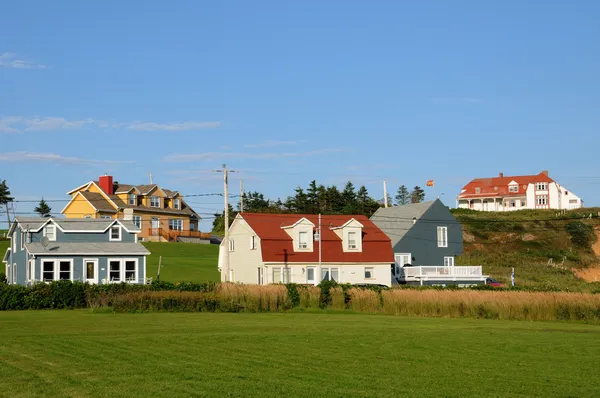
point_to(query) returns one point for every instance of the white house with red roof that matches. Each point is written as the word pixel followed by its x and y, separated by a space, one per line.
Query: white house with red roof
pixel 508 193
pixel 287 248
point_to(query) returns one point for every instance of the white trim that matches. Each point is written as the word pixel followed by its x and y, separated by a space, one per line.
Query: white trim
pixel 46 231
pixel 86 185
pixel 56 268
pixel 91 254
pixel 451 261
pixel 298 222
pixel 130 189
pixel 110 233
pixel 122 270
pixel 159 202
pixel 75 197
pixel 346 224
pixel 178 203
pixel 152 190
pixel 443 242
pixel 84 270
pixel 314 279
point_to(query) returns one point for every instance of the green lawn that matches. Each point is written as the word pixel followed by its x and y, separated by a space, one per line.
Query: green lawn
pixel 80 353
pixel 183 262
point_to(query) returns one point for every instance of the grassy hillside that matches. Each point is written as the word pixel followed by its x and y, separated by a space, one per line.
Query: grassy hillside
pixel 80 353
pixel 183 262
pixel 527 240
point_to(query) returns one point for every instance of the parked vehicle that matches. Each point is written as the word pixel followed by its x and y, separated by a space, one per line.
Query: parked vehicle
pixel 493 282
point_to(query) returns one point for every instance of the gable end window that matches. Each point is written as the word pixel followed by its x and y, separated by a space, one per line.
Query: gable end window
pixel 477 190
pixel 541 186
pixel 352 241
pixel 115 233
pixel 154 201
pixel 442 236
pixel 303 240
pixel 50 232
pixel 231 245
pixel 176 203
pixel 253 242
pixel 132 199
pixel 513 188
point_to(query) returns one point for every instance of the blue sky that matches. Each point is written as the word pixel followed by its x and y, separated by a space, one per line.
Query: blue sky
pixel 286 92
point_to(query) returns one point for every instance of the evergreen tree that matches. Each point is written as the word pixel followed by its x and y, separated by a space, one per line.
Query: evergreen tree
pixel 219 221
pixel 43 209
pixel 417 195
pixel 5 198
pixel 322 199
pixel 403 196
pixel 335 202
pixel 297 203
pixel 312 198
pixel 349 199
pixel 255 202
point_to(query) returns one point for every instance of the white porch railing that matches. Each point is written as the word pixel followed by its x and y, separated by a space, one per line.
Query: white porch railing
pixel 440 272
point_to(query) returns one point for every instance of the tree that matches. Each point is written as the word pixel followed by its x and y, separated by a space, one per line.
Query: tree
pixel 335 202
pixel 402 196
pixel 5 198
pixel 417 195
pixel 312 198
pixel 219 221
pixel 43 209
pixel 297 203
pixel 349 199
pixel 254 202
pixel 366 205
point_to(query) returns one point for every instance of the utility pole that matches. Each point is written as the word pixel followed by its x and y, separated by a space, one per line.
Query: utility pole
pixel 320 246
pixel 241 196
pixel 385 198
pixel 150 178
pixel 225 242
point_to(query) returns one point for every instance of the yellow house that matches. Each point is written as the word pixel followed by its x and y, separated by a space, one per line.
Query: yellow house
pixel 161 214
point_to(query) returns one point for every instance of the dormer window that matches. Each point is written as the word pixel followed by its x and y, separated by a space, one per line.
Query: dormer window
pixel 477 190
pixel 176 203
pixel 303 240
pixel 352 240
pixel 132 199
pixel 115 233
pixel 513 188
pixel 50 232
pixel 154 201
pixel 541 186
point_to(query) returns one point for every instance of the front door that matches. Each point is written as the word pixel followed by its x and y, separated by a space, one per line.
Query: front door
pixel 155 225
pixel 90 270
pixel 401 260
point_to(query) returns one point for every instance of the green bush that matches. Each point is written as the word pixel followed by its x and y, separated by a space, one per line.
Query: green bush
pixel 3 279
pixel 582 234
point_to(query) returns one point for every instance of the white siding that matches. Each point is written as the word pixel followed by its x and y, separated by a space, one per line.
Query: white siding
pixel 243 261
pixel 348 273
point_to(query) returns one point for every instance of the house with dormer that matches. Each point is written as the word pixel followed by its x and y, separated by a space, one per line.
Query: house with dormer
pixel 509 193
pixel 159 213
pixel 96 251
pixel 305 249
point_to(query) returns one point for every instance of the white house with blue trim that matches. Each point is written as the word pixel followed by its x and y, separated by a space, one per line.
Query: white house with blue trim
pixel 96 251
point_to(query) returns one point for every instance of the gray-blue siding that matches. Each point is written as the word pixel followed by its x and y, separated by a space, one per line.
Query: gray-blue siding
pixel 102 266
pixel 84 236
pixel 18 258
pixel 421 240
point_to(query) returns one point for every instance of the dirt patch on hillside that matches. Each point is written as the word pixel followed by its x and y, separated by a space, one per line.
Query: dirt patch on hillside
pixel 596 246
pixel 591 274
pixel 528 237
pixel 467 237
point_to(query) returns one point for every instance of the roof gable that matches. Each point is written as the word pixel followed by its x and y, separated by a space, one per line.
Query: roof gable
pixel 398 220
pixel 498 186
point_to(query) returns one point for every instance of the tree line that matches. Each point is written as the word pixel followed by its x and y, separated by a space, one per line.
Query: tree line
pixel 322 199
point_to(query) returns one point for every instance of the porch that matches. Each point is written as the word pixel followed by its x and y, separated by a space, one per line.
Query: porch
pixel 172 235
pixel 429 275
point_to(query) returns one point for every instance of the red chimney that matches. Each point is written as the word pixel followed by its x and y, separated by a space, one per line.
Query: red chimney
pixel 106 184
pixel 501 175
pixel 545 172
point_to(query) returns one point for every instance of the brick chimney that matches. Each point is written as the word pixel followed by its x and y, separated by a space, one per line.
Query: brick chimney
pixel 501 175
pixel 106 184
pixel 545 172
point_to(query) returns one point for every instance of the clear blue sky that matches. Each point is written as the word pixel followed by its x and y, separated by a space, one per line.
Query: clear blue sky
pixel 287 92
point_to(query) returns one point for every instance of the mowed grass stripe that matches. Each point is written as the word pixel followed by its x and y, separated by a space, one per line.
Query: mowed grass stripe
pixel 79 353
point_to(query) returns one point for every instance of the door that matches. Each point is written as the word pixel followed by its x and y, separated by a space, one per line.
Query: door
pixel 155 225
pixel 448 261
pixel 90 271
pixel 401 260
pixel 260 276
pixel 310 275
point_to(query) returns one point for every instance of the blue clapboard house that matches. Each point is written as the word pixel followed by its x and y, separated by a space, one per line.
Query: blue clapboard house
pixel 97 251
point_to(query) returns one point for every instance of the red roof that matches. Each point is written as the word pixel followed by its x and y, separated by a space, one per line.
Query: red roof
pixel 498 186
pixel 277 245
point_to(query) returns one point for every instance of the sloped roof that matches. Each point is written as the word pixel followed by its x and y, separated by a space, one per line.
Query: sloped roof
pixel 98 201
pixel 87 248
pixel 277 245
pixel 398 220
pixel 498 186
pixel 74 224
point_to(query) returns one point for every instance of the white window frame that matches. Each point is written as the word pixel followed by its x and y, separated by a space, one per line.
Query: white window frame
pixel 285 275
pixel 330 270
pixel 152 204
pixel 370 270
pixel 132 198
pixel 31 271
pixel 175 224
pixel 541 186
pixel 85 278
pixel 87 216
pixel 313 280
pixel 541 200
pixel 110 233
pixel 302 245
pixel 449 261
pixel 13 241
pixel 513 188
pixel 104 217
pixel 355 245
pixel 22 240
pixel 231 245
pixel 253 244
pixel 135 219
pixel 42 271
pixel 122 270
pixel 108 269
pixel 176 203
pixel 56 269
pixel 442 236
pixel 53 239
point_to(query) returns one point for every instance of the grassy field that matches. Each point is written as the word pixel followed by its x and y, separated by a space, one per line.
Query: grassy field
pixel 82 354
pixel 183 262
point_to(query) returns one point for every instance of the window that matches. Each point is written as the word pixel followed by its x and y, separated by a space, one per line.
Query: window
pixel 132 199
pixel 330 274
pixel 351 240
pixel 115 233
pixel 523 202
pixel 31 271
pixel 14 242
pixel 114 271
pixel 513 188
pixel 176 224
pixel 369 273
pixel 64 270
pixel 573 201
pixel 22 240
pixel 513 203
pixel 442 236
pixel 310 275
pixel 448 261
pixel 106 217
pixel 154 201
pixel 541 186
pixel 253 242
pixel 137 221
pixel 231 245
pixel 541 200
pixel 90 271
pixel 50 232
pixel 87 216
pixel 47 271
pixel 281 275
pixel 130 270
pixel 302 240
pixel 477 190
pixel 176 203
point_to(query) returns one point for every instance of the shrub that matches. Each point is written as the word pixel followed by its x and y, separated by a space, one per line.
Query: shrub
pixel 3 279
pixel 325 287
pixel 582 234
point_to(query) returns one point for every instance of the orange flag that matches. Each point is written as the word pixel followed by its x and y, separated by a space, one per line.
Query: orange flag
pixel 430 183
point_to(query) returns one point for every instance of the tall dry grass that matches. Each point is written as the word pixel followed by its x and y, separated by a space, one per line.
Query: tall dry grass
pixel 310 297
pixel 364 300
pixel 254 298
pixel 536 306
pixel 338 298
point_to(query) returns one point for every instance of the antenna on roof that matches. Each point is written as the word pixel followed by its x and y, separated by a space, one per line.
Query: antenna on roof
pixel 150 178
pixel 45 242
